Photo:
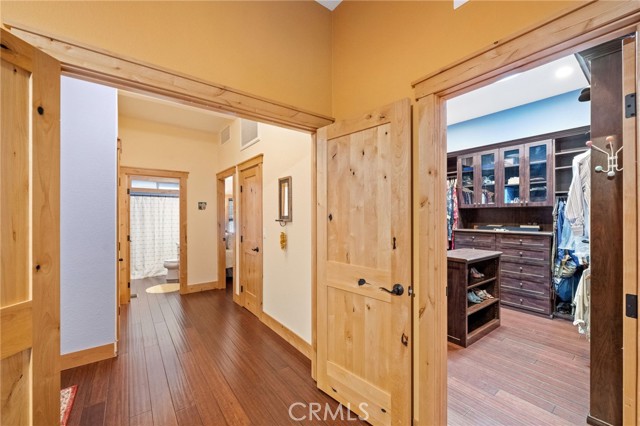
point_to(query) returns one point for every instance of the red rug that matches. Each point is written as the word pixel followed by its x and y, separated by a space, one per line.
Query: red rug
pixel 67 397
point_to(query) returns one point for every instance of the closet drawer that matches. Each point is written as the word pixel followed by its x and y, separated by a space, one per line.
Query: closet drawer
pixel 529 242
pixel 522 301
pixel 520 271
pixel 521 255
pixel 475 240
pixel 541 287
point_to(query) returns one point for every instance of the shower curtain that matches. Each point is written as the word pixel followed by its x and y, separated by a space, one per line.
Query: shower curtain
pixel 155 234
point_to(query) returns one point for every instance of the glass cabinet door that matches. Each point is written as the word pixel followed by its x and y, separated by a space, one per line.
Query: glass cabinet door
pixel 539 176
pixel 512 176
pixel 466 181
pixel 487 196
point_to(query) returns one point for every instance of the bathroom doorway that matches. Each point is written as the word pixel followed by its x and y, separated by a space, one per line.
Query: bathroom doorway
pixel 227 253
pixel 153 227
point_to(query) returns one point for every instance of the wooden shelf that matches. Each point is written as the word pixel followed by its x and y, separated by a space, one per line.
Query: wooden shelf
pixel 479 283
pixel 482 330
pixel 480 306
pixel 572 151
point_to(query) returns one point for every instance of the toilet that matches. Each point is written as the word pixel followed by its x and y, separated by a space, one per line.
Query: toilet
pixel 173 267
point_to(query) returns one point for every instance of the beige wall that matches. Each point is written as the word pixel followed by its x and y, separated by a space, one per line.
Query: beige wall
pixel 286 273
pixel 159 146
pixel 380 47
pixel 280 50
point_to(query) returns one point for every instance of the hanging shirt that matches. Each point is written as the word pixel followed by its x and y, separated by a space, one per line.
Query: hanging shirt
pixel 582 301
pixel 579 198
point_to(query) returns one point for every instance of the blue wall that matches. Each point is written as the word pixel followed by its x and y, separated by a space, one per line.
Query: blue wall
pixel 553 114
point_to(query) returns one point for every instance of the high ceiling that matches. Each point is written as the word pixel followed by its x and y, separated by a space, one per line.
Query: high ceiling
pixel 172 113
pixel 555 78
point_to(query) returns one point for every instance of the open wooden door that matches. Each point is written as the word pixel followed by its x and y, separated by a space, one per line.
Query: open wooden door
pixel 251 235
pixel 364 264
pixel 29 235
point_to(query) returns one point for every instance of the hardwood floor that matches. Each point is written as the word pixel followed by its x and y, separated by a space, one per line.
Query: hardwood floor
pixel 195 360
pixel 202 360
pixel 529 371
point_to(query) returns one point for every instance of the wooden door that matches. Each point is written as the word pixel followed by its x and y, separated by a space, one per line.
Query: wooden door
pixel 124 243
pixel 251 237
pixel 29 235
pixel 364 248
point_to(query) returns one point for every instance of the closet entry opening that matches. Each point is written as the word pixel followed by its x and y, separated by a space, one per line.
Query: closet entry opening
pixel 534 260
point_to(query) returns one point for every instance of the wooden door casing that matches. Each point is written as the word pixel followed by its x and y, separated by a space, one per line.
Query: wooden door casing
pixel 364 233
pixel 251 238
pixel 29 234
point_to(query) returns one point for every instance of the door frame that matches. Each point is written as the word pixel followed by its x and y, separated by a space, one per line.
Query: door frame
pixel 258 161
pixel 125 174
pixel 220 178
pixel 585 26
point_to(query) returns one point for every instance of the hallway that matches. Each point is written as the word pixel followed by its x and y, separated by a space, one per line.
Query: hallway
pixel 193 360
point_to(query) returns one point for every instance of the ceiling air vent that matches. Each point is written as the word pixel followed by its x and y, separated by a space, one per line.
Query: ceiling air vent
pixel 225 135
pixel 249 133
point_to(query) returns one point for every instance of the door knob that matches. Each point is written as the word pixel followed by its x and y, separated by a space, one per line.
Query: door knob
pixel 257 249
pixel 397 290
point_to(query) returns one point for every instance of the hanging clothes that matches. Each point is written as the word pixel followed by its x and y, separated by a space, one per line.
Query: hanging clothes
pixel 452 208
pixel 582 302
pixel 578 205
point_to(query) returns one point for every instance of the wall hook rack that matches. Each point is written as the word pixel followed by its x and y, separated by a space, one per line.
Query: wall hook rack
pixel 612 157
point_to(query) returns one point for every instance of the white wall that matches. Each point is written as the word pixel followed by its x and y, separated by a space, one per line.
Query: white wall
pixel 287 274
pixel 89 123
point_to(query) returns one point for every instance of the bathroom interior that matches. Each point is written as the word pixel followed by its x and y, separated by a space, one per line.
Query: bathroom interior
pixel 155 229
pixel 229 231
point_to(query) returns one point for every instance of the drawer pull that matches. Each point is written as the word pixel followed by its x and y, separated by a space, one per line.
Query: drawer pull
pixel 521 241
pixel 473 237
pixel 521 269
pixel 520 253
pixel 520 285
pixel 521 301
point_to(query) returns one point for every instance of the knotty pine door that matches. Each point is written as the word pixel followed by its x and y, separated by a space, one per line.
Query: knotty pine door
pixel 364 251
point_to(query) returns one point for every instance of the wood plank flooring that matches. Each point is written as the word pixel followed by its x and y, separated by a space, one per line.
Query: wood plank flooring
pixel 202 360
pixel 529 371
pixel 194 360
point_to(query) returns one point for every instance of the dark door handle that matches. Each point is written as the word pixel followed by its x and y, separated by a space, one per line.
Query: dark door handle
pixel 257 249
pixel 397 290
pixel 121 260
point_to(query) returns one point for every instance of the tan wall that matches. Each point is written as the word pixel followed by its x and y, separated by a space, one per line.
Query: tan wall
pixel 286 273
pixel 280 50
pixel 159 146
pixel 379 48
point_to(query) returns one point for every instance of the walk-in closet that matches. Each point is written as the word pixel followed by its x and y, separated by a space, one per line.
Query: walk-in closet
pixel 534 215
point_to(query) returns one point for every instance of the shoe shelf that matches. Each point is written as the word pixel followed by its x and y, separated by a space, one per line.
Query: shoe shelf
pixel 473 290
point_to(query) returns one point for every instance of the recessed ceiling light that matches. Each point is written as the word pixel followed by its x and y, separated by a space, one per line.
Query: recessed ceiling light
pixel 564 72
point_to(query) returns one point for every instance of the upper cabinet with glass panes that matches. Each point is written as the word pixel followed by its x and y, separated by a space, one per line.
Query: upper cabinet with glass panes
pixel 514 176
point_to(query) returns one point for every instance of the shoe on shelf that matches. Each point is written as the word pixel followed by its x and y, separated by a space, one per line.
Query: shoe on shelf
pixel 471 296
pixel 483 294
pixel 473 272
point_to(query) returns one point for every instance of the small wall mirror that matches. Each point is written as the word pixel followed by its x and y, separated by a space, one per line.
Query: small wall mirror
pixel 285 197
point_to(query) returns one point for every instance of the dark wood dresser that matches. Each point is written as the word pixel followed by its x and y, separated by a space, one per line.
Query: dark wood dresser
pixel 467 322
pixel 525 266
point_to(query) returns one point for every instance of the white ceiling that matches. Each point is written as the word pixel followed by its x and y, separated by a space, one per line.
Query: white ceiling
pixel 518 89
pixel 172 113
pixel 329 4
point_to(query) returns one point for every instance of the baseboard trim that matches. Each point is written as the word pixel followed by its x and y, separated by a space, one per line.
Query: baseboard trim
pixel 288 335
pixel 596 422
pixel 87 356
pixel 196 288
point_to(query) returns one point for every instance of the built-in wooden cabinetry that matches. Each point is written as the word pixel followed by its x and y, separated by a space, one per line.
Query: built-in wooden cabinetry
pixel 525 267
pixel 467 321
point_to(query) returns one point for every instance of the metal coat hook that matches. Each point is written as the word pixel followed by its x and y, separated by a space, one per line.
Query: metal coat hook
pixel 612 158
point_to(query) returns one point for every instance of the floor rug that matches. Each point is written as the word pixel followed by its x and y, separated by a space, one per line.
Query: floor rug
pixel 164 288
pixel 67 396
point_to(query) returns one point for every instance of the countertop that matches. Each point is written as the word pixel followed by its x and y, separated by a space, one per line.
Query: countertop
pixel 489 231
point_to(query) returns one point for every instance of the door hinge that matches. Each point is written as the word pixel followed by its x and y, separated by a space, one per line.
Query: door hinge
pixel 128 191
pixel 631 302
pixel 630 105
pixel 241 288
pixel 240 188
pixel 241 238
pixel 118 245
pixel 129 238
pixel 446 291
pixel 128 285
pixel 410 291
